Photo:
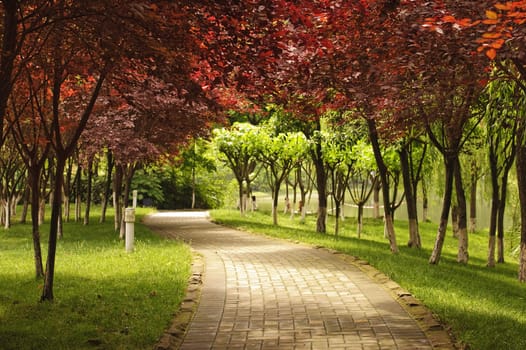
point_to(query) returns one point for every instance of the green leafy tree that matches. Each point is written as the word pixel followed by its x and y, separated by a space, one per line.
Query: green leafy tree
pixel 237 147
pixel 364 177
pixel 279 153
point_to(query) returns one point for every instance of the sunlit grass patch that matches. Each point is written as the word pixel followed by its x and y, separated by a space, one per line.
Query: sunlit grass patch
pixel 104 297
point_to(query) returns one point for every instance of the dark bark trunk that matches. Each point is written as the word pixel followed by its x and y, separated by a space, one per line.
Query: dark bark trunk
pixel 107 186
pixel 444 214
pixel 376 199
pixel 337 203
pixel 382 169
pixel 321 181
pixel 494 207
pixel 463 239
pixel 9 52
pixel 275 200
pixel 117 196
pixel 425 202
pixel 473 202
pixel 47 291
pixel 88 192
pixel 521 179
pixel 454 220
pixel 34 182
pixel 78 190
pixel 25 204
pixel 412 214
pixel 500 217
pixel 360 220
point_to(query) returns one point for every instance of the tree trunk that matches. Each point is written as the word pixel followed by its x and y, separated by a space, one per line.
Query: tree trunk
pixel 67 190
pixel 382 169
pixel 502 208
pixel 376 199
pixel 521 180
pixel 88 192
pixel 473 202
pixel 107 186
pixel 444 215
pixel 360 219
pixel 9 53
pixel 500 224
pixel 25 205
pixel 117 194
pixel 47 291
pixel 275 199
pixel 410 198
pixel 78 198
pixel 7 213
pixel 34 181
pixel 454 220
pixel 463 239
pixel 425 202
pixel 337 203
pixel 321 181
pixel 494 208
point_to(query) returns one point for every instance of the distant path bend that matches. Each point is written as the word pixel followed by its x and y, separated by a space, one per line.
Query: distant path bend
pixel 264 293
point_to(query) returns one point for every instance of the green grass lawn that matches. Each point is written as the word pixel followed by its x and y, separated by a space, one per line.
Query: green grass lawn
pixel 105 298
pixel 485 307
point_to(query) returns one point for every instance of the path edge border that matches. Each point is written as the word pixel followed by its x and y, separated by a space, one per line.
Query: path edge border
pixel 173 336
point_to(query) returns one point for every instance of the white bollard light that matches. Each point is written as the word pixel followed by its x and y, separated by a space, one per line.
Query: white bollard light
pixel 129 219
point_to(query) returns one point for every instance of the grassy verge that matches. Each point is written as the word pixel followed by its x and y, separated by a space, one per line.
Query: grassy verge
pixel 104 298
pixel 486 308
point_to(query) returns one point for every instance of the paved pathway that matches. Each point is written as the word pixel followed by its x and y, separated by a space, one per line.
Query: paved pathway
pixel 263 293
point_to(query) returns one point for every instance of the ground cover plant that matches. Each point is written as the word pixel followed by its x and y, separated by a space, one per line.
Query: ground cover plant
pixel 485 307
pixel 105 298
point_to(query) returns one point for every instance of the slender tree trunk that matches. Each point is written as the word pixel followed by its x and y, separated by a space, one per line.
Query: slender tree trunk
pixel 412 214
pixel 7 213
pixel 360 219
pixel 382 169
pixel 521 179
pixel 25 205
pixel 473 202
pixel 34 181
pixel 444 215
pixel 454 220
pixel 337 203
pixel 67 189
pixel 494 208
pixel 78 198
pixel 47 291
pixel 88 192
pixel 321 181
pixel 107 186
pixel 425 202
pixel 275 199
pixel 500 217
pixel 463 254
pixel 9 53
pixel 117 194
pixel 376 199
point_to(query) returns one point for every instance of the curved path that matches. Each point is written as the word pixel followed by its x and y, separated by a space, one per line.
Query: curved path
pixel 264 293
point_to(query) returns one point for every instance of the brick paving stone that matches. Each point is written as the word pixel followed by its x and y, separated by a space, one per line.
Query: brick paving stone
pixel 264 293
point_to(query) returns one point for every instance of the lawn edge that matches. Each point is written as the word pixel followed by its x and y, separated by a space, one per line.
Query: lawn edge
pixel 173 336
